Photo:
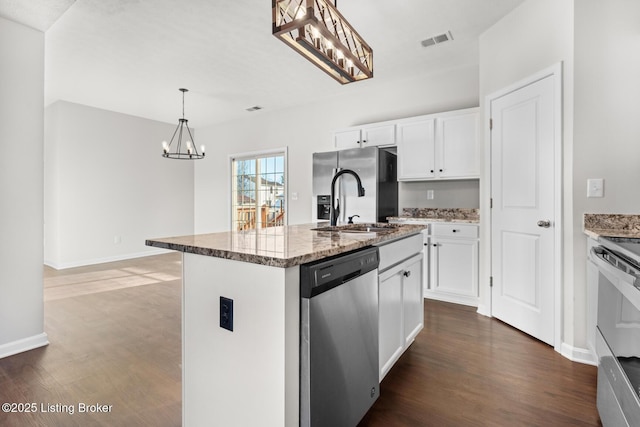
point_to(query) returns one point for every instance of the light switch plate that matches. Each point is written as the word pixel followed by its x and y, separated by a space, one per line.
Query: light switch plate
pixel 595 187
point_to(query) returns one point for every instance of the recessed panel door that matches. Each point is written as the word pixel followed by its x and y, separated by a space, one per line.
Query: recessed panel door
pixel 523 187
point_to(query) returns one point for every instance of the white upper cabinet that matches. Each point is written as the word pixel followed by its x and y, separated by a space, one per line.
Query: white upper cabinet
pixel 365 136
pixel 439 146
pixel 457 151
pixel 380 134
pixel 416 147
pixel 347 138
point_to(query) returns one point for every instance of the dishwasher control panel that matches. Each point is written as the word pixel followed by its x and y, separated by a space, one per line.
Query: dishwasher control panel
pixel 322 275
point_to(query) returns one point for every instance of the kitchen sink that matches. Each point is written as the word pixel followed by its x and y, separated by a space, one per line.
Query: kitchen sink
pixel 356 228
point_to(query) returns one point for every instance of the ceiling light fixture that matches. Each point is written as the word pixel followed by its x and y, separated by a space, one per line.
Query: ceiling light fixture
pixel 316 30
pixel 190 151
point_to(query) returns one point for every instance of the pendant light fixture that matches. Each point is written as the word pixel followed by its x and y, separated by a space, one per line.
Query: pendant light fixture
pixel 188 151
pixel 317 31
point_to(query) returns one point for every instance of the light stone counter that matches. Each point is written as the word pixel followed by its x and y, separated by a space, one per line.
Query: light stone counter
pixel 281 246
pixel 611 225
pixel 459 215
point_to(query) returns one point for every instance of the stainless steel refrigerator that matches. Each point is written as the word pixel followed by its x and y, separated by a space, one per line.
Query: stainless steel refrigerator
pixel 377 169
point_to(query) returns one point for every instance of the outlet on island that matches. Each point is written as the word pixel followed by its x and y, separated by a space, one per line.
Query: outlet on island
pixel 226 313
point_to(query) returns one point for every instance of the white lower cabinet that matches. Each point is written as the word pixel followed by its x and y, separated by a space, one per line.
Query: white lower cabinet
pixel 453 263
pixel 401 301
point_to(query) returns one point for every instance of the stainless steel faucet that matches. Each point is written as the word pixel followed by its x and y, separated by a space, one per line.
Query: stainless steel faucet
pixel 335 210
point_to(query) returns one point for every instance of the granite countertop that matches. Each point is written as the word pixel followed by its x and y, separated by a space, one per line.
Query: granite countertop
pixel 461 215
pixel 612 225
pixel 283 247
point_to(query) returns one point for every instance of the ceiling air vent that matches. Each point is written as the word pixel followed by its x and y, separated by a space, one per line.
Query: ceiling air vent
pixel 254 108
pixel 440 38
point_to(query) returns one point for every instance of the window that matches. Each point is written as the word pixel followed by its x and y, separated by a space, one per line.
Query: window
pixel 258 190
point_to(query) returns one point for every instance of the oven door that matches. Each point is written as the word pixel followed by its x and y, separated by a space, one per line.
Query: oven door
pixel 618 339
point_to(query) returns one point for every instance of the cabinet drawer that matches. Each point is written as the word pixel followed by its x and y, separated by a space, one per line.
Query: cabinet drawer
pixel 454 230
pixel 399 250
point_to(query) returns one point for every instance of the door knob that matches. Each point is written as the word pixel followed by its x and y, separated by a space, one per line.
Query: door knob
pixel 544 223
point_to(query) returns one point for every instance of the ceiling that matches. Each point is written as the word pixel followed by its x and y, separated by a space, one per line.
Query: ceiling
pixel 131 56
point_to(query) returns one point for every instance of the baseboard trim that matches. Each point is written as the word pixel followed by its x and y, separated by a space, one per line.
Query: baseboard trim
pixel 25 344
pixel 455 299
pixel 483 309
pixel 72 264
pixel 577 354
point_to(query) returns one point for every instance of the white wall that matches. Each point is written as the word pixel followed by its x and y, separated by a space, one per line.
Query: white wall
pixel 606 117
pixel 535 36
pixel 21 188
pixel 446 194
pixel 308 129
pixel 106 180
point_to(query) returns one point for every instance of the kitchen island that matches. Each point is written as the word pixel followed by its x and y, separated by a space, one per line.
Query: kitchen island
pixel 250 376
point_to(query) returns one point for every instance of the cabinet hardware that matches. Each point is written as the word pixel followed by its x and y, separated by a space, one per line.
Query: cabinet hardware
pixel 456 231
pixel 441 170
pixel 406 274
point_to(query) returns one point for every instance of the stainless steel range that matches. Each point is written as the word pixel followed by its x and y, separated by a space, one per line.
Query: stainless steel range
pixel 618 330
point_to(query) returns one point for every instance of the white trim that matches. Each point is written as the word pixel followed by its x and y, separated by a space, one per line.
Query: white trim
pixel 24 344
pixel 92 261
pixel 577 354
pixel 554 71
pixel 253 155
pixel 456 299
pixel 484 310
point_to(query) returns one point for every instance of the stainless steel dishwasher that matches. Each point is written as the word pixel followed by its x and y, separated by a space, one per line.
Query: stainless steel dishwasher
pixel 339 339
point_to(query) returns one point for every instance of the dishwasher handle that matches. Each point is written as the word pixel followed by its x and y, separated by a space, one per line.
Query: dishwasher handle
pixel 611 264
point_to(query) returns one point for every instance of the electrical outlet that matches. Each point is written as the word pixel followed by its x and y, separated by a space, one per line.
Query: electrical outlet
pixel 429 194
pixel 226 313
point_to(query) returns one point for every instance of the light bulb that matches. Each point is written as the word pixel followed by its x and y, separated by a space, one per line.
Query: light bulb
pixel 202 149
pixel 165 146
pixel 329 46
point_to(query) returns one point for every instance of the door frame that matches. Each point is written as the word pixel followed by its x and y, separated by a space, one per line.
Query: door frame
pixel 555 72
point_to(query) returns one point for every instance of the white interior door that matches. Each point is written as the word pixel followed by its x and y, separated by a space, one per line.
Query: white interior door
pixel 524 186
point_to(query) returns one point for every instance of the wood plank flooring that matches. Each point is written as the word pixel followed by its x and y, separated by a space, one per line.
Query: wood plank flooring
pixel 115 340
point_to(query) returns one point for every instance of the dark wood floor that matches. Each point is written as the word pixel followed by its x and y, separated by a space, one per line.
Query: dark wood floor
pixel 115 340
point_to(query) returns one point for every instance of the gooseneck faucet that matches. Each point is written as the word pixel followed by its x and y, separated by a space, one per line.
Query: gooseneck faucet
pixel 335 210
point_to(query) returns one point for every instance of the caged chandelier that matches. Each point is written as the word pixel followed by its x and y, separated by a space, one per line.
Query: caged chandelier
pixel 316 30
pixel 190 151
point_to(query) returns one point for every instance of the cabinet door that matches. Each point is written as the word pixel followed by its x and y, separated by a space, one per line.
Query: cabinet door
pixel 374 135
pixel 454 268
pixel 457 149
pixel 390 331
pixel 416 148
pixel 412 299
pixel 348 138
